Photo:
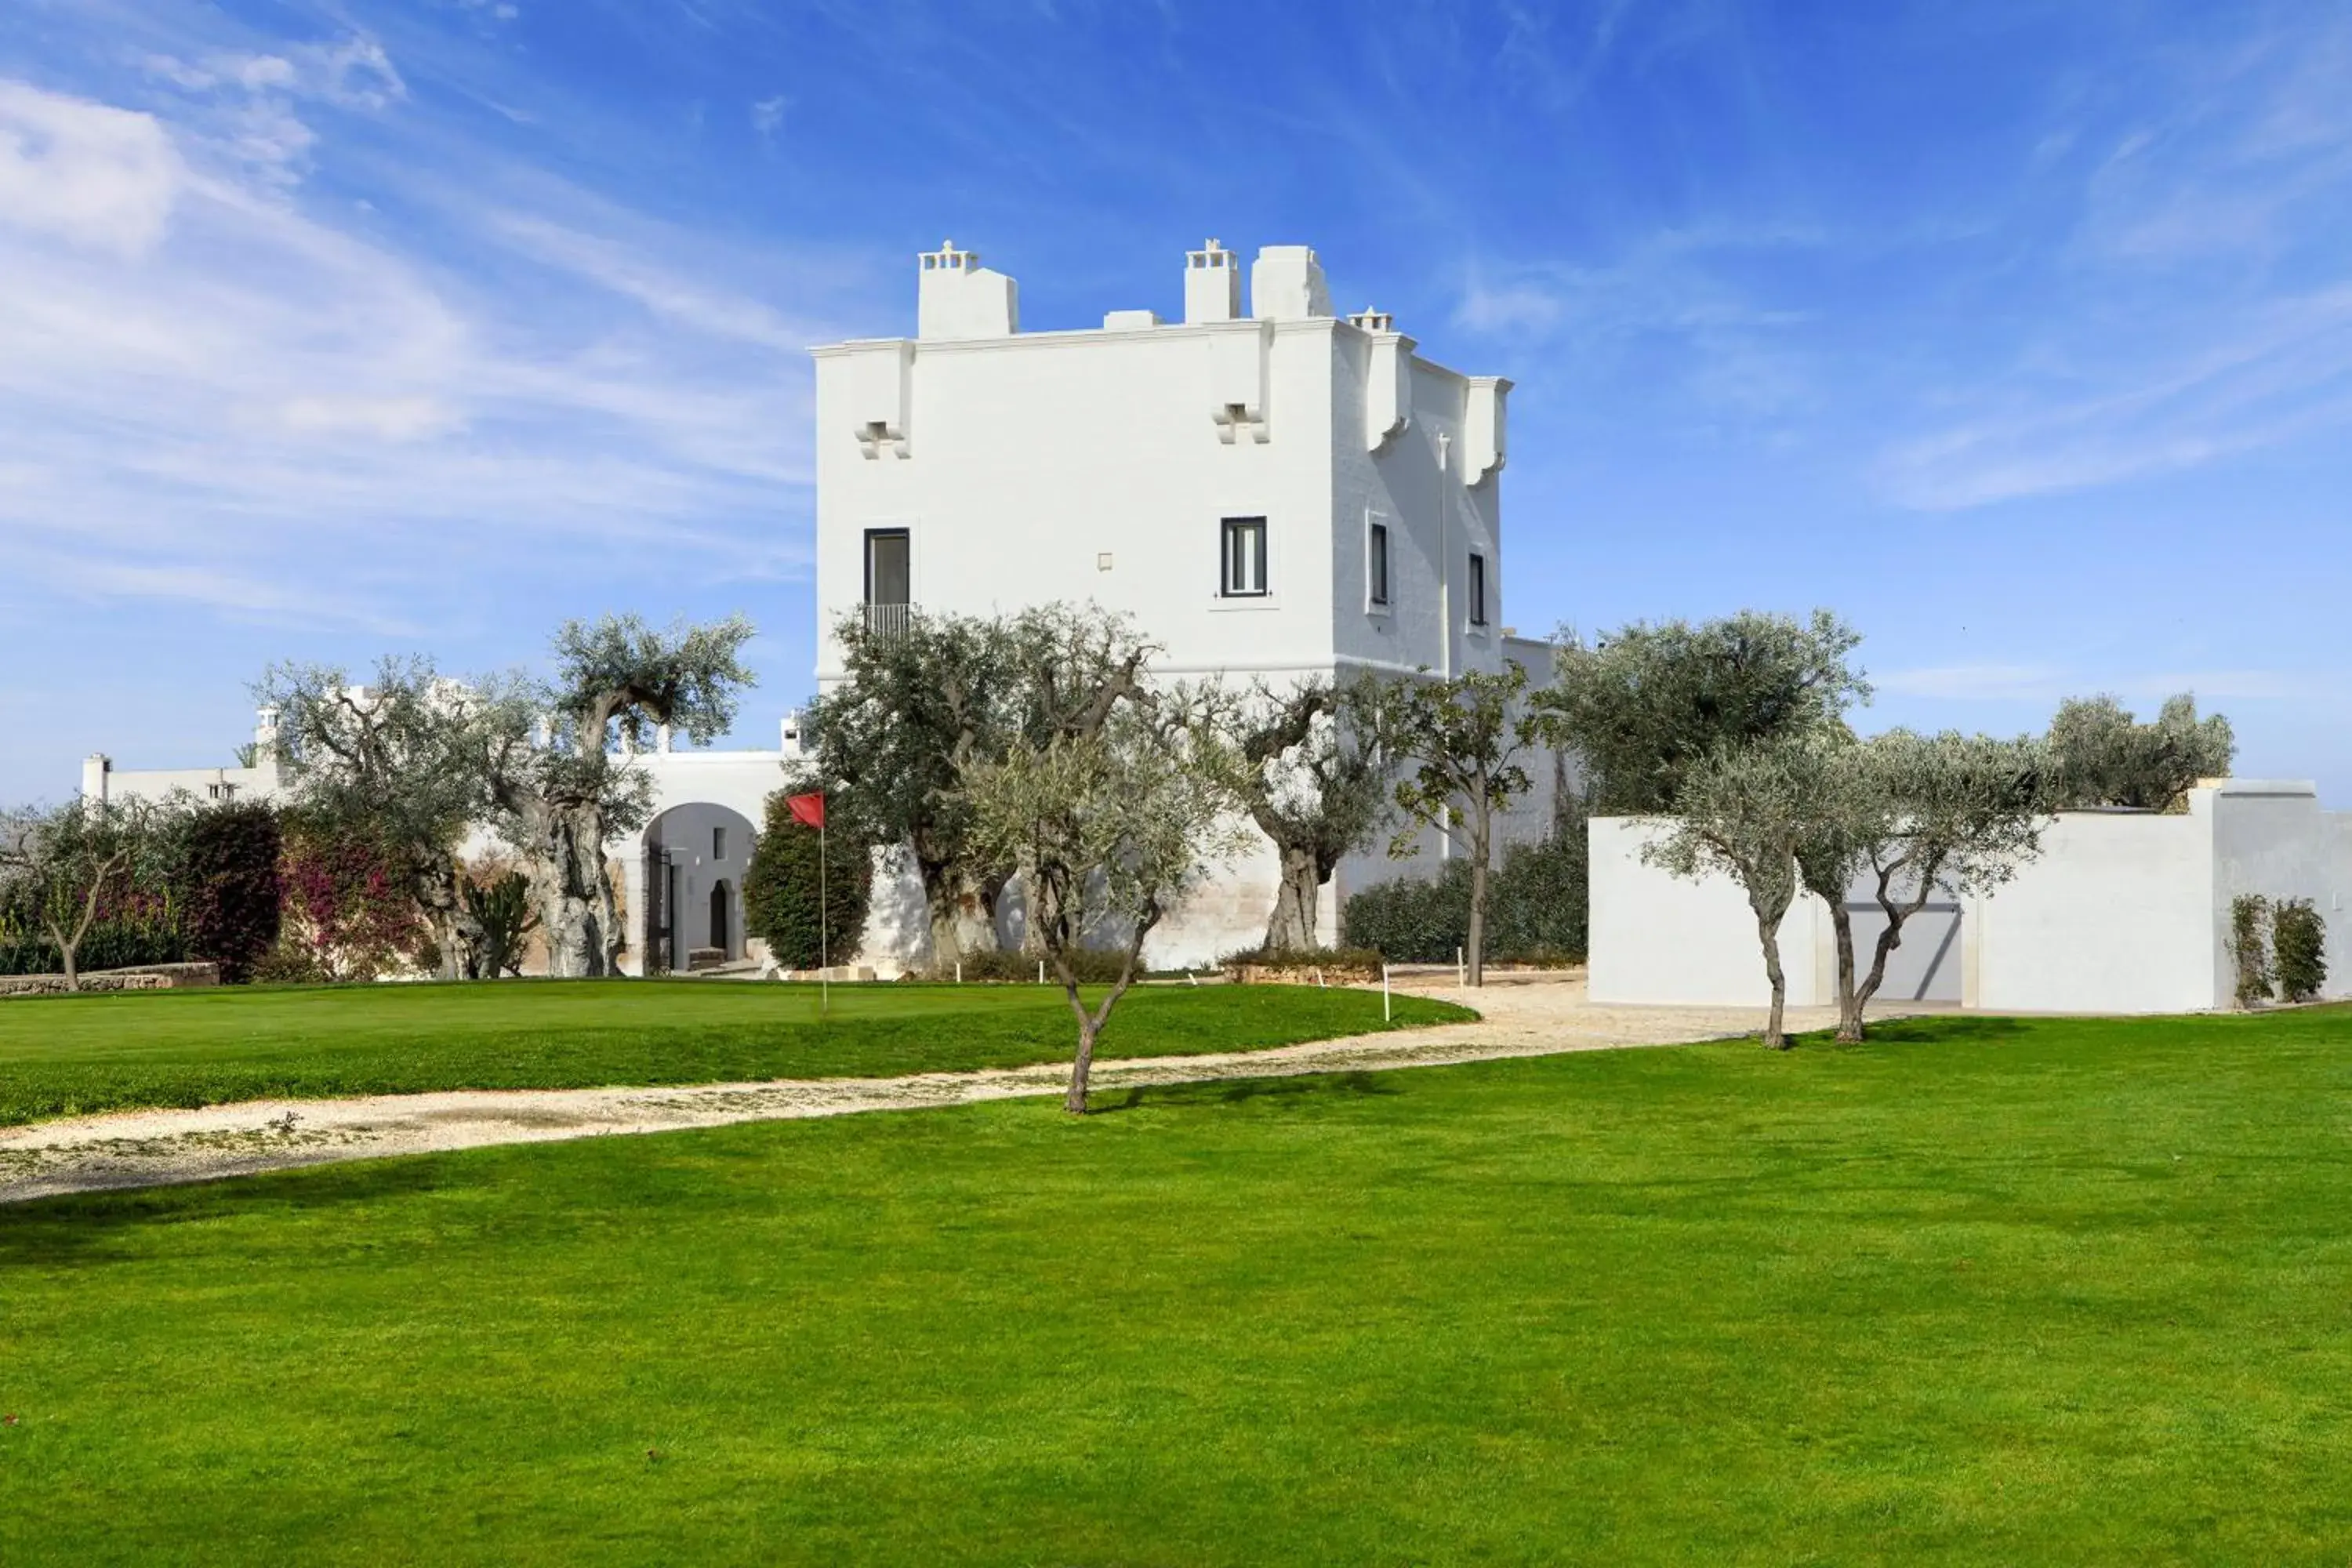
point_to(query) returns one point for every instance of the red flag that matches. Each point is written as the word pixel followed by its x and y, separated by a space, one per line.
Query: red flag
pixel 807 808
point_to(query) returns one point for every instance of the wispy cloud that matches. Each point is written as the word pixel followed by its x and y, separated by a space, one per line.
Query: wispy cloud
pixel 2201 308
pixel 2040 683
pixel 206 371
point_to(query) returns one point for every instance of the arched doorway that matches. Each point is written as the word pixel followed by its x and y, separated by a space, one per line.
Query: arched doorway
pixel 695 858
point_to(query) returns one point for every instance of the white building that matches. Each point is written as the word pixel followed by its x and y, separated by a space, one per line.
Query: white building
pixel 1268 489
pixel 681 881
pixel 2122 912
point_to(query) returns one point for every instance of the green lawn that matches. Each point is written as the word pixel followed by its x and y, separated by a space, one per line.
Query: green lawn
pixel 74 1055
pixel 1981 1291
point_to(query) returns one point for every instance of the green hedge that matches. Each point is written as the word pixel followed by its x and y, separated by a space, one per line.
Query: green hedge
pixel 781 891
pixel 1088 966
pixel 229 874
pixel 1536 907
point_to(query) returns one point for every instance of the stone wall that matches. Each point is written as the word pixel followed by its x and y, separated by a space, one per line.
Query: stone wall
pixel 144 977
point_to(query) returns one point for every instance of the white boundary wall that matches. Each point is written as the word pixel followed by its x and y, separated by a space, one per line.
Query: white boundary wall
pixel 2123 912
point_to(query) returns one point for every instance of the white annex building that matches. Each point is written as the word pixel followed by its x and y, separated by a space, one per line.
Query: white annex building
pixel 1270 489
pixel 2123 911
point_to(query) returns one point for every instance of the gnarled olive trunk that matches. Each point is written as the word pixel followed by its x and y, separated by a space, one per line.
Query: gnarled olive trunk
pixel 1768 931
pixel 963 911
pixel 577 914
pixel 1849 1030
pixel 1296 901
pixel 455 932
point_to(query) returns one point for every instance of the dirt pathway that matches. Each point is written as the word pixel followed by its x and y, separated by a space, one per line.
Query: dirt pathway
pixel 1535 1016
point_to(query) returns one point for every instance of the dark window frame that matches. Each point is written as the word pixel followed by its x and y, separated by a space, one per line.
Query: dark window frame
pixel 905 538
pixel 1477 589
pixel 1230 531
pixel 1376 566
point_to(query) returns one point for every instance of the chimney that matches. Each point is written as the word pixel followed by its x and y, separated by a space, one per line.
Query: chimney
pixel 1213 284
pixel 1286 285
pixel 958 297
pixel 265 737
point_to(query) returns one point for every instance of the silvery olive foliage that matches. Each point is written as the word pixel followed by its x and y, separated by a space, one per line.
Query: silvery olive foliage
pixel 1745 813
pixel 1907 816
pixel 2102 756
pixel 1108 828
pixel 404 757
pixel 932 696
pixel 1642 705
pixel 560 787
pixel 1457 747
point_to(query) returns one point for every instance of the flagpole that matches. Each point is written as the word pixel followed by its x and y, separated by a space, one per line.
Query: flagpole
pixel 824 955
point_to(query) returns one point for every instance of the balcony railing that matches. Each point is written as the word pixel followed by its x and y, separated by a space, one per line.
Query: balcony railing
pixel 889 620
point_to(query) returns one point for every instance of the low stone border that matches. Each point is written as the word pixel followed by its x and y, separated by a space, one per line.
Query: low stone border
pixel 138 977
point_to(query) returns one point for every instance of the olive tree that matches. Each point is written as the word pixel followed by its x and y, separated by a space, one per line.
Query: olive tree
pixel 558 786
pixel 1908 815
pixel 1458 743
pixel 1311 789
pixel 1745 813
pixel 927 700
pixel 2102 756
pixel 1107 826
pixel 63 862
pixel 1642 705
pixel 402 760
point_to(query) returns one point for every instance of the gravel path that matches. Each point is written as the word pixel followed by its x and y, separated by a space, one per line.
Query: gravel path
pixel 1535 1016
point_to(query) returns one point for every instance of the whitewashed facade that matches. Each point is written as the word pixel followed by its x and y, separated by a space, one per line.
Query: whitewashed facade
pixel 1269 489
pixel 2122 912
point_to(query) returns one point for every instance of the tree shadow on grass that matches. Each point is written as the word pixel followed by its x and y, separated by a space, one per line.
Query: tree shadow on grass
pixel 86 1229
pixel 1932 1029
pixel 1240 1091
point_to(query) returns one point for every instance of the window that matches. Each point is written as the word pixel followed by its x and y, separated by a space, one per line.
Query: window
pixel 889 574
pixel 719 843
pixel 1477 590
pixel 1245 558
pixel 1376 564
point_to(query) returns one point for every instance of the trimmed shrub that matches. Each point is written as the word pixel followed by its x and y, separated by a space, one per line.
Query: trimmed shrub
pixel 2298 949
pixel 230 874
pixel 1536 907
pixel 1088 966
pixel 2250 947
pixel 781 902
pixel 1413 920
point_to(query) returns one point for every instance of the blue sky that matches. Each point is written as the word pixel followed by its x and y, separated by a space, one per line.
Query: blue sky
pixel 2019 334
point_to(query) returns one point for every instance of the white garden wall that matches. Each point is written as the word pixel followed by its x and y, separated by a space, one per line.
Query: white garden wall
pixel 2123 912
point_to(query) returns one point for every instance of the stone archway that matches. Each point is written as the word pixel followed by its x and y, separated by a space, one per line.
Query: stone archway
pixel 696 854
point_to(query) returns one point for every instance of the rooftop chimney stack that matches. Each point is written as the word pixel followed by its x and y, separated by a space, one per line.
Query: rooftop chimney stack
pixel 1213 284
pixel 959 298
pixel 1286 285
